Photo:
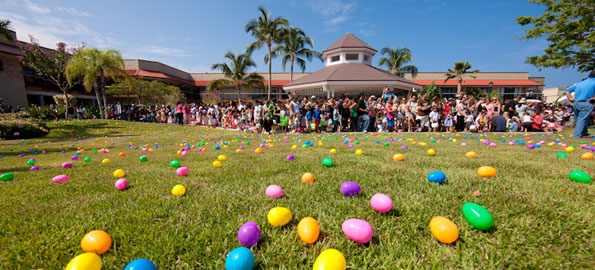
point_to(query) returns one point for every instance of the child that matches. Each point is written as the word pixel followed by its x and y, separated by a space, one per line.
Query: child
pixel 448 123
pixel 514 125
pixel 316 113
pixel 434 115
pixel 526 122
pixel 379 126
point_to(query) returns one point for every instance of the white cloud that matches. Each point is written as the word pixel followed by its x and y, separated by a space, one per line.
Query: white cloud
pixel 35 8
pixel 163 50
pixel 73 11
pixel 333 12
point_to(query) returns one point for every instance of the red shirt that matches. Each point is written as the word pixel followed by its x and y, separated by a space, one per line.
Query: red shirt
pixel 179 109
pixel 186 109
pixel 446 109
pixel 534 125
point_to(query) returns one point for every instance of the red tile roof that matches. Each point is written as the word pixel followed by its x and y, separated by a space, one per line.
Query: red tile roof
pixel 348 72
pixel 153 74
pixel 273 82
pixel 480 82
pixel 347 41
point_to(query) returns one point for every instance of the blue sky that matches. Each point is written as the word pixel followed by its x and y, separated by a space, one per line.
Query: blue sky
pixel 192 35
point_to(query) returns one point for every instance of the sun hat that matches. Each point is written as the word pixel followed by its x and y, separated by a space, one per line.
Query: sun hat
pixel 523 100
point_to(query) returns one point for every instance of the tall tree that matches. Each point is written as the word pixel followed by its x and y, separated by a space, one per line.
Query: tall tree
pixel 395 59
pixel 5 30
pixel 93 67
pixel 50 64
pixel 146 91
pixel 432 90
pixel 459 72
pixel 569 28
pixel 236 73
pixel 294 48
pixel 266 30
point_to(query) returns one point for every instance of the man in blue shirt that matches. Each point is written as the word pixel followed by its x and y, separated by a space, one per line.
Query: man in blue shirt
pixel 584 99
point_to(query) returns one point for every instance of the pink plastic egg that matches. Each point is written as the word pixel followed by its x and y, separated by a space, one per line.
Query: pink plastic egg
pixel 381 203
pixel 60 178
pixel 358 230
pixel 463 144
pixel 182 171
pixel 66 165
pixel 274 191
pixel 121 184
pixel 184 153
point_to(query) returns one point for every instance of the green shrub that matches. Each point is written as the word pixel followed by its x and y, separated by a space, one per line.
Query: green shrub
pixel 22 129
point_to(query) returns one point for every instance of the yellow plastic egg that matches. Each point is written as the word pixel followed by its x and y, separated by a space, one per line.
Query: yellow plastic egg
pixel 106 161
pixel 85 261
pixel 333 151
pixel 279 216
pixel 178 190
pixel 431 152
pixel 222 158
pixel 444 230
pixel 294 147
pixel 359 152
pixel 569 149
pixel 119 173
pixel 330 259
pixel 217 164
pixel 258 150
pixel 486 171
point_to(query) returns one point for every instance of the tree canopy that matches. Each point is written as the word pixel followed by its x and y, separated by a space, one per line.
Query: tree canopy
pixel 395 59
pixel 568 26
pixel 147 91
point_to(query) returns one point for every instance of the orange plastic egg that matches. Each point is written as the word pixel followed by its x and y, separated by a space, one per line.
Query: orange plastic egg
pixel 307 178
pixel 398 157
pixel 587 156
pixel 308 230
pixel 444 230
pixel 470 154
pixel 486 171
pixel 258 150
pixel 96 241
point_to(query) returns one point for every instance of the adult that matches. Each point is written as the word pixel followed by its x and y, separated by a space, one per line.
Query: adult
pixel 363 119
pixel 498 122
pixel 584 98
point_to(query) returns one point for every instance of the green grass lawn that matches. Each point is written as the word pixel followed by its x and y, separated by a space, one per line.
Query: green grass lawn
pixel 542 219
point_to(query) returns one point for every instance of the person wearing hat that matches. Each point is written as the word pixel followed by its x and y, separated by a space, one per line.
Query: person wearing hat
pixel 521 107
pixel 584 98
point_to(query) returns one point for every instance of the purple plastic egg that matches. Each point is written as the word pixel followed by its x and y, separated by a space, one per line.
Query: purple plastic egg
pixel 290 157
pixel 404 147
pixel 349 188
pixel 241 147
pixel 74 158
pixel 34 168
pixel 66 165
pixel 249 234
pixel 530 146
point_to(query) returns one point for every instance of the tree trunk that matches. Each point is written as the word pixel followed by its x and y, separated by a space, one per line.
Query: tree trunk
pixel 270 76
pixel 105 112
pixel 239 97
pixel 65 103
pixel 291 70
pixel 97 87
pixel 459 83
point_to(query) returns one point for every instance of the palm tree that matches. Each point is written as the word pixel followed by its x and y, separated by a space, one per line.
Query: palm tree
pixel 293 48
pixel 267 31
pixel 5 31
pixel 93 67
pixel 460 69
pixel 236 73
pixel 395 61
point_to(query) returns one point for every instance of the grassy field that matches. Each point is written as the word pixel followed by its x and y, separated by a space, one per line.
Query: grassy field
pixel 542 219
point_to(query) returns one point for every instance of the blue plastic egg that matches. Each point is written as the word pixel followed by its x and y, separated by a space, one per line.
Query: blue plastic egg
pixel 140 264
pixel 437 177
pixel 240 259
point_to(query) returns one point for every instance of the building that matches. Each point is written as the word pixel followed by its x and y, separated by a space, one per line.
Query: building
pixel 552 94
pixel 348 69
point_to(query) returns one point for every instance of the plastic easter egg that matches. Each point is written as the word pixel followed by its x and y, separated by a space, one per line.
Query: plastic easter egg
pixel 569 149
pixel 239 150
pixel 96 241
pixel 121 184
pixel 274 191
pixel 258 150
pixel 74 158
pixel 477 216
pixel 294 147
pixel 308 230
pixel 398 157
pixel 222 158
pixel 349 188
pixel 87 159
pixel 561 155
pixel 140 264
pixel 381 203
pixel 106 161
pixel 174 164
pixel 437 177
pixel 404 147
pixel 217 164
pixel 279 216
pixel 470 154
pixel 444 230
pixel 239 259
pixel 30 162
pixel 85 261
pixel 67 165
pixel 333 151
pixel 60 178
pixel 358 230
pixel 34 168
pixel 431 152
pixel 486 171
pixel 7 176
pixel 178 190
pixel 330 259
pixel 119 173
pixel 143 158
pixel 184 153
pixel 290 157
pixel 587 156
pixel 307 178
pixel 249 234
pixel 182 171
pixel 327 162
pixel 217 147
pixel 580 177
pixel 359 152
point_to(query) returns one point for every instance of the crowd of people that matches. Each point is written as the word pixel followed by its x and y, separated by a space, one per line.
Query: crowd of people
pixel 385 113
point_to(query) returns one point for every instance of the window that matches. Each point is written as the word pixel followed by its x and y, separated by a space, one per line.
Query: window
pixel 352 56
pixel 449 92
pixel 335 58
pixel 1 66
pixel 366 58
pixel 508 93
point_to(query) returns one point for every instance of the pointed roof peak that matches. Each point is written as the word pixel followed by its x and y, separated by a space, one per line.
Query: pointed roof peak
pixel 348 40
